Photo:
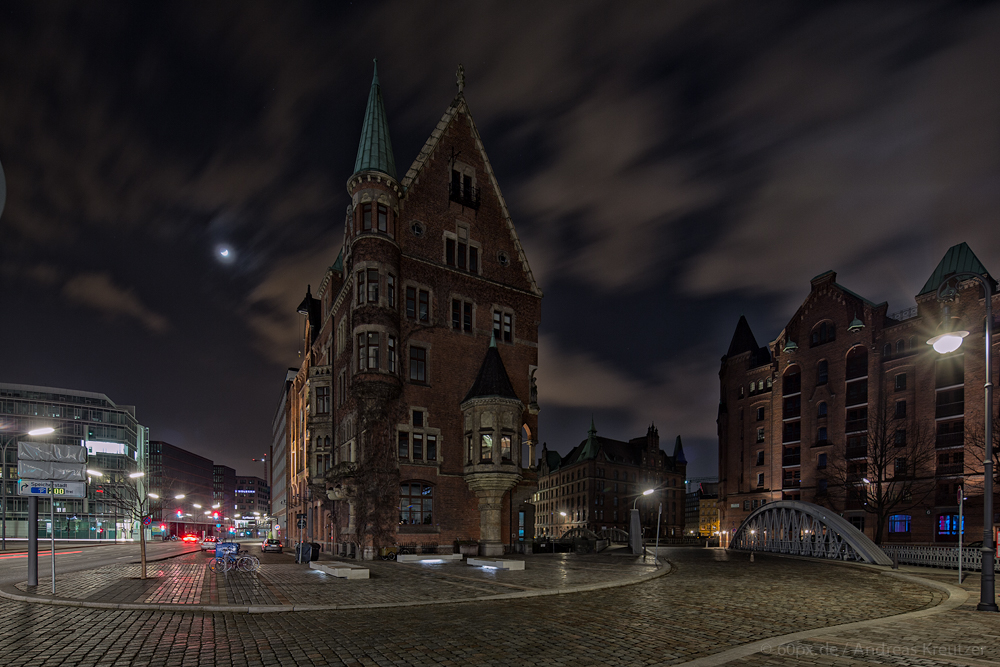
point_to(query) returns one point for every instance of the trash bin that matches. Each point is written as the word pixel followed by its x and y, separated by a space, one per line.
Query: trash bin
pixel 314 551
pixel 303 552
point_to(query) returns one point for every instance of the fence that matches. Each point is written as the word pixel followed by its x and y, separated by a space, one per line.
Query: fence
pixel 945 557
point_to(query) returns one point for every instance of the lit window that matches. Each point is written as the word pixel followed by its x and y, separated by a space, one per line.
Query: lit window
pixel 416 503
pixel 899 523
pixel 486 447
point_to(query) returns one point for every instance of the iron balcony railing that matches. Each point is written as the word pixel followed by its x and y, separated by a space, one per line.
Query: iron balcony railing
pixel 466 196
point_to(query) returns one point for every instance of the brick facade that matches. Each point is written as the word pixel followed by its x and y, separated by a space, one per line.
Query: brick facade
pixel 404 318
pixel 796 416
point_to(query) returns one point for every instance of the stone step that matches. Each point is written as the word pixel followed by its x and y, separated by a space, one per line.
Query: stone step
pixel 498 563
pixel 338 569
pixel 416 558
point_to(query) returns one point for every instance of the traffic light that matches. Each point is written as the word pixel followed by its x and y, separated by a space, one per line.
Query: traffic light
pixel 215 515
pixel 163 527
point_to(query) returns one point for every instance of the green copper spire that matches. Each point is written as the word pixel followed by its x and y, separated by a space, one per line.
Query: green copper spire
pixel 375 149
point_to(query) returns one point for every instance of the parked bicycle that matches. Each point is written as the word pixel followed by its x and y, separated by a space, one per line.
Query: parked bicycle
pixel 240 561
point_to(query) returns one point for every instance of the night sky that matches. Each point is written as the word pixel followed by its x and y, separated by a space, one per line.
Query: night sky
pixel 669 166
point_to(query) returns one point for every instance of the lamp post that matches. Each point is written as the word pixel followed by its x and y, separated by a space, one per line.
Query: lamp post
pixel 3 473
pixel 635 525
pixel 949 341
pixel 267 481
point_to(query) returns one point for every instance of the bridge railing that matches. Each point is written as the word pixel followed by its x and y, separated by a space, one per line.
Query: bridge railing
pixel 944 557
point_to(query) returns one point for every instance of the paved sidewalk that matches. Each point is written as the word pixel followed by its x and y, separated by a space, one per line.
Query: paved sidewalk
pixel 186 583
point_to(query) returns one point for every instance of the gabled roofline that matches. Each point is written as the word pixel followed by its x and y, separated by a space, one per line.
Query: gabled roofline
pixel 459 104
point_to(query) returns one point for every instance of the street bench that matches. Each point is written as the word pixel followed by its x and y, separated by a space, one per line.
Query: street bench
pixel 497 563
pixel 342 570
pixel 416 558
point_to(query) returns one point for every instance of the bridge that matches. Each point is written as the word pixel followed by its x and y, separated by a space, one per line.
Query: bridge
pixel 804 529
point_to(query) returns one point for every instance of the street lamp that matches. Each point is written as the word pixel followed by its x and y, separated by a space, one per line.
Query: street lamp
pixel 644 493
pixel 949 341
pixel 45 430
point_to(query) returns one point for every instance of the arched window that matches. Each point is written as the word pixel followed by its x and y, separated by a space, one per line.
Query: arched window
pixel 821 409
pixel 913 343
pixel 416 503
pixel 887 350
pixel 900 346
pixel 791 381
pixel 822 372
pixel 760 385
pixel 823 333
pixel 857 362
pixel 767 383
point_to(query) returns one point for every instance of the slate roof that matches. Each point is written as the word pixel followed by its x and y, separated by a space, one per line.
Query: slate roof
pixel 492 379
pixel 958 259
pixel 744 341
pixel 375 148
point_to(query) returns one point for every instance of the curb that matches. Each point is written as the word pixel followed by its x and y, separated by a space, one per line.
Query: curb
pixel 6 592
pixel 956 598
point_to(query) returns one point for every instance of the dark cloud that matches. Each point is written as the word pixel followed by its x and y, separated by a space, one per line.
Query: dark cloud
pixel 669 166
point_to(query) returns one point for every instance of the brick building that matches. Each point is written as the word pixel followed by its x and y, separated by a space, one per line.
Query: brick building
pixel 849 408
pixel 595 485
pixel 423 334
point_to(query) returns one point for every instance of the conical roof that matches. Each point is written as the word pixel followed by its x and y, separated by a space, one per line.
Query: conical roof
pixel 958 259
pixel 743 339
pixel 375 149
pixel 492 380
pixel 679 451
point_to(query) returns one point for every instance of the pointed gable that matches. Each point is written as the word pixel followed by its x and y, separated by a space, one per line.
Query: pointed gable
pixel 958 259
pixel 457 122
pixel 375 148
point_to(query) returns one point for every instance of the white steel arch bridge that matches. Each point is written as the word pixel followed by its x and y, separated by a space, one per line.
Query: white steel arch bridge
pixel 804 529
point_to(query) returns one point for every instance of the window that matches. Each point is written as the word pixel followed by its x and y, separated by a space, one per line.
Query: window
pixel 857 393
pixel 821 435
pixel 899 523
pixel 390 289
pixel 418 418
pixel 322 400
pixel 760 457
pixel 949 371
pixel 431 447
pixel 418 304
pixel 366 217
pixel 461 315
pixel 821 409
pixel 821 462
pixel 792 381
pixel 418 364
pixel 887 350
pixel 900 409
pixel 821 486
pixel 449 251
pixel 760 479
pixel 746 503
pixel 411 302
pixel 418 446
pixel 503 326
pixel 858 522
pixel 899 469
pixel 824 333
pixel 792 432
pixel 404 445
pixel 901 382
pixel 857 363
pixel 760 414
pixel 372 285
pixel 390 354
pixel 383 217
pixel 485 448
pixel 822 372
pixel 948 524
pixel 368 351
pixel 899 439
pixel 760 434
pixel 505 448
pixel 360 285
pixel 416 503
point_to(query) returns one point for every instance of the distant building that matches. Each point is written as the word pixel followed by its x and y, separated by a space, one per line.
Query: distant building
pixel 279 458
pixel 116 447
pixel 595 486
pixel 848 401
pixel 224 495
pixel 177 472
pixel 708 509
pixel 252 507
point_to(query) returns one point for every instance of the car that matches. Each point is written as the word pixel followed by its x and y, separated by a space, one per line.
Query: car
pixel 208 544
pixel 271 545
pixel 190 538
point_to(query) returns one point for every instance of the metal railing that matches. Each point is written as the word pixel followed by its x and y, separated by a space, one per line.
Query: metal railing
pixel 946 557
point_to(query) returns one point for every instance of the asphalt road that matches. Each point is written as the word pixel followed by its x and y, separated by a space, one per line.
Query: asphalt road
pixel 74 556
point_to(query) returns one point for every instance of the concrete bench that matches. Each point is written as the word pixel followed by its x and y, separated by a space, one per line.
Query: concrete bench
pixel 342 570
pixel 416 558
pixel 498 563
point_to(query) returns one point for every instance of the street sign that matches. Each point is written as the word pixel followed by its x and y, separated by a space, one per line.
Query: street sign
pixel 28 487
pixel 301 523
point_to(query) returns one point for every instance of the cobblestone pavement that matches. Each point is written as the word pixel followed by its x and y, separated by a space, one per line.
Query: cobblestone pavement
pixel 710 602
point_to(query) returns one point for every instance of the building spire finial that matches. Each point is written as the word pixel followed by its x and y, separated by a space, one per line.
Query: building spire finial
pixel 460 78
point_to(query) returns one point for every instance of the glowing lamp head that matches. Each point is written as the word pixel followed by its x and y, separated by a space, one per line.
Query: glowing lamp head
pixel 41 431
pixel 647 492
pixel 947 342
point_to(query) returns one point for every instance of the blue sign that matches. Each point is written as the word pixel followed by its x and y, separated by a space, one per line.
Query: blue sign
pixel 223 548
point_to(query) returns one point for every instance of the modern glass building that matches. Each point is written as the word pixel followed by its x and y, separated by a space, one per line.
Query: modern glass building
pixel 116 447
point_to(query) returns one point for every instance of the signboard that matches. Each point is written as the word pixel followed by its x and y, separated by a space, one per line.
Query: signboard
pixel 28 487
pixel 301 523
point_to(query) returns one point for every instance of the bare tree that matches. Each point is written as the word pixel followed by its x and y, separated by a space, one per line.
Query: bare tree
pixel 884 469
pixel 977 447
pixel 126 493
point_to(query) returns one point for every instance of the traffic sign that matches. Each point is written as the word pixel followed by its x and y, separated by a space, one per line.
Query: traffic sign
pixel 28 487
pixel 301 523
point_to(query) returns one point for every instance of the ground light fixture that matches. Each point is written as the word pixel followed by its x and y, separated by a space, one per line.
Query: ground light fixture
pixel 948 341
